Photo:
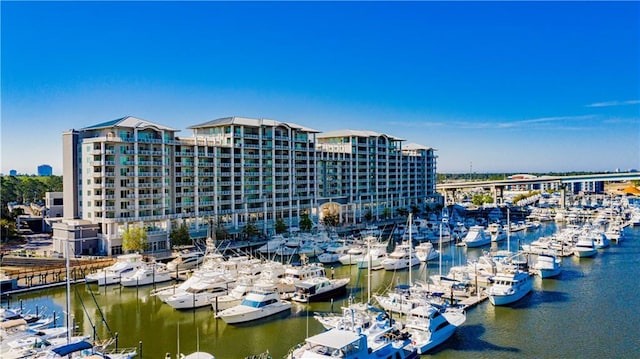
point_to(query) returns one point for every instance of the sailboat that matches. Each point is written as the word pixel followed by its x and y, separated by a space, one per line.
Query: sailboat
pixel 75 348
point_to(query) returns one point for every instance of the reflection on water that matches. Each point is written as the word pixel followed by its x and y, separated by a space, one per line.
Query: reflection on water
pixel 559 317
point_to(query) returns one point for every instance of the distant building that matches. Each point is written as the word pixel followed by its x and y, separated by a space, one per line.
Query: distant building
pixel 45 170
pixel 13 173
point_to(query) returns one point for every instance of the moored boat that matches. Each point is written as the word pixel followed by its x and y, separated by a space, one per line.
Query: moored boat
pixel 510 286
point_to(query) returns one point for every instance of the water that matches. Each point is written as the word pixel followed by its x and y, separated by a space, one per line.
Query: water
pixel 590 311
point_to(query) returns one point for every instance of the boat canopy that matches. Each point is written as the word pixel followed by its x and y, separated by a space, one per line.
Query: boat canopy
pixel 72 348
pixel 335 338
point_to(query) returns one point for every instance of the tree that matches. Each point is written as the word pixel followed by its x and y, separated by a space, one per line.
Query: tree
pixel 402 212
pixel 221 233
pixel 134 239
pixel 250 230
pixel 368 216
pixel 180 236
pixel 305 223
pixel 386 213
pixel 330 220
pixel 415 210
pixel 9 229
pixel 280 226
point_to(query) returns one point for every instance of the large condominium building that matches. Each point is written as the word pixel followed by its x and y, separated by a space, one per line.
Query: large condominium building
pixel 231 171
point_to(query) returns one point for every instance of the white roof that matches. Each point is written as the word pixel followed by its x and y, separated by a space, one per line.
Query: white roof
pixel 415 146
pixel 357 133
pixel 334 338
pixel 235 120
pixel 129 122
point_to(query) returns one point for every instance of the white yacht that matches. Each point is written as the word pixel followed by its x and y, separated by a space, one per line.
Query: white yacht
pixel 375 254
pixel 256 305
pixel 509 286
pixel 426 252
pixel 125 264
pixel 234 297
pixel 200 290
pixel 319 288
pixel 584 248
pixel 148 274
pixel 353 255
pixel 185 260
pixel 547 265
pixel 430 327
pixel 339 343
pixel 476 237
pixel 402 257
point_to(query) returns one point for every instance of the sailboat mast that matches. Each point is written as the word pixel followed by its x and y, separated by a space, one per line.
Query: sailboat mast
pixel 440 251
pixel 69 325
pixel 410 246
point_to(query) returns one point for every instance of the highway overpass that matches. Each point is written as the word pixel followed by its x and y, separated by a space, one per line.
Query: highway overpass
pixel 497 187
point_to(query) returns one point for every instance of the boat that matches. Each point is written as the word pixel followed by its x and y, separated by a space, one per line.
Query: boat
pixel 375 254
pixel 430 327
pixel 402 257
pixel 185 260
pixel 584 248
pixel 352 256
pixel 600 240
pixel 198 355
pixel 112 274
pixel 256 305
pixel 340 343
pixel 150 273
pixel 499 235
pixel 475 237
pixel 547 265
pixel 509 286
pixel 199 291
pixel 319 288
pixel 426 252
pixel 85 349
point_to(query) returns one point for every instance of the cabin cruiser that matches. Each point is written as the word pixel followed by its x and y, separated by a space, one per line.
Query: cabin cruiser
pixel 402 257
pixel 150 273
pixel 125 264
pixel 430 327
pixel 475 237
pixel 584 248
pixel 510 285
pixel 256 305
pixel 425 252
pixel 319 288
pixel 387 342
pixel 186 260
pixel 547 265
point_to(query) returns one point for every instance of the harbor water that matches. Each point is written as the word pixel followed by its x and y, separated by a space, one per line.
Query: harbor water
pixel 589 311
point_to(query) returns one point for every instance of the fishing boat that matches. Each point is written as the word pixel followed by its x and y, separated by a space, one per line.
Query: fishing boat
pixel 256 305
pixel 430 327
pixel 386 342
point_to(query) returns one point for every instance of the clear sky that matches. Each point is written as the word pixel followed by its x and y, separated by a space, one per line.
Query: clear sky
pixel 493 86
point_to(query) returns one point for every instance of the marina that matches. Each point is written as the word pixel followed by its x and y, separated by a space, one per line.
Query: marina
pixel 548 322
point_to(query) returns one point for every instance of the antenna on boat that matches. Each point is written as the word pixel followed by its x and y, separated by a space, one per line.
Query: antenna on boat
pixel 410 246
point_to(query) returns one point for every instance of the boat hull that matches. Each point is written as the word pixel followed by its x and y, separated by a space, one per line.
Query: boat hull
pixel 242 316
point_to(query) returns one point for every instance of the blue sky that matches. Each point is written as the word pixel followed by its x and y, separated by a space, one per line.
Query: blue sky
pixel 493 86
